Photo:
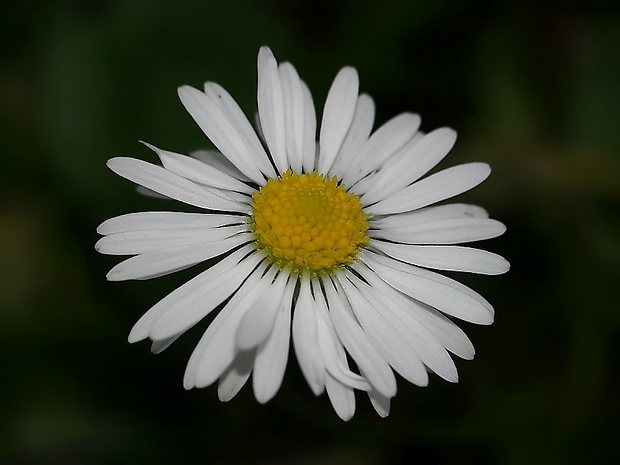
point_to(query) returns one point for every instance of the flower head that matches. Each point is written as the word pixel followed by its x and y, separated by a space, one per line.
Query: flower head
pixel 330 241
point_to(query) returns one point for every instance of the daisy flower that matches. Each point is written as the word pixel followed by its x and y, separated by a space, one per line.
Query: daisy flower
pixel 329 237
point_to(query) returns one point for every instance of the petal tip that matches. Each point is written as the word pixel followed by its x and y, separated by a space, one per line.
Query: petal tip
pixel 189 382
pixel 264 49
pixel 113 275
pixel 136 335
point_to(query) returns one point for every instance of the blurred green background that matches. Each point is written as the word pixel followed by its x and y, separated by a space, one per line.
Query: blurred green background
pixel 533 89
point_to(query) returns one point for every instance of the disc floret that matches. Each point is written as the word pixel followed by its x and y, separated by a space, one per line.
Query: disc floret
pixel 308 222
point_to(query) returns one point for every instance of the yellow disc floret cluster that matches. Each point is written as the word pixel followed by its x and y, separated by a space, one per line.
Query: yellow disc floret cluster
pixel 308 222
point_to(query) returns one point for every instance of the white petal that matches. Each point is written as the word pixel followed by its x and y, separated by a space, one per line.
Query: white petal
pixel 172 185
pixel 406 316
pixel 161 345
pixel 271 108
pixel 384 336
pixel 370 362
pixel 194 306
pixel 234 141
pixel 447 231
pixel 243 199
pixel 380 403
pixel 341 397
pixel 305 339
pixel 220 162
pixel 450 258
pixel 167 220
pixel 272 354
pixel 434 213
pixel 197 171
pixel 143 326
pixel 192 301
pixel 216 349
pixel 309 147
pixel 337 116
pixel 339 390
pixel 438 291
pixel 446 332
pixel 149 193
pixel 294 111
pixel 235 376
pixel 231 110
pixel 144 240
pixel 410 164
pixel 331 348
pixel 358 134
pixel 435 188
pixel 258 322
pixel 383 143
pixel 161 262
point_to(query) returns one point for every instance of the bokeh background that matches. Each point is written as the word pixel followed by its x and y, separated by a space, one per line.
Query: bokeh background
pixel 533 89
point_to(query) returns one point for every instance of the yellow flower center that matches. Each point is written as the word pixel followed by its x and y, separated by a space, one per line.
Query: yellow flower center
pixel 308 222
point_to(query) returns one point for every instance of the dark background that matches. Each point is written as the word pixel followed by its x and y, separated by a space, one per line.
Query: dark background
pixel 533 90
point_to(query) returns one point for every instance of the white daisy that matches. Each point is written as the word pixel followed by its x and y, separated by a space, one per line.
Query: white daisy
pixel 330 242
